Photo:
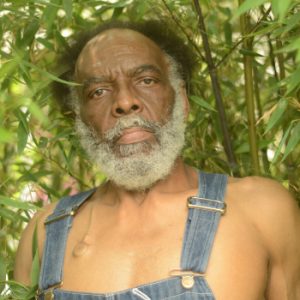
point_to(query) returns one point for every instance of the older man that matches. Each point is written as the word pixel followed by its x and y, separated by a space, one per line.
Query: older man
pixel 157 228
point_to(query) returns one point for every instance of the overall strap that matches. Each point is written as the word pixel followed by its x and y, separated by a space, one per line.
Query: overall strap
pixel 58 225
pixel 205 211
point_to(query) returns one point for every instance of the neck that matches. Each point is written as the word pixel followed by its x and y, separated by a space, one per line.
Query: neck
pixel 181 179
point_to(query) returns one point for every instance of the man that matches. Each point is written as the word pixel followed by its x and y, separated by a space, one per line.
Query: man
pixel 156 229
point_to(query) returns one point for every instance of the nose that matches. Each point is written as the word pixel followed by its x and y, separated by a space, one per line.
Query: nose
pixel 126 103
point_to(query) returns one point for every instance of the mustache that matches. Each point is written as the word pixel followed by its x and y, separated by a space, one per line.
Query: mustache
pixel 113 134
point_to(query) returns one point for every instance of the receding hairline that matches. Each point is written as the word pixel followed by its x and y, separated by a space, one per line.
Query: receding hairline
pixel 132 32
pixel 160 32
pixel 115 34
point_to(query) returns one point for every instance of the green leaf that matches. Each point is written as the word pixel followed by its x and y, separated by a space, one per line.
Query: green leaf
pixel 49 75
pixel 29 32
pixel 19 291
pixel 277 114
pixel 68 8
pixel 49 14
pixel 35 266
pixel 292 46
pixel 249 52
pixel 6 136
pixel 282 142
pixel 22 117
pixel 3 266
pixel 293 141
pixel 117 12
pixel 202 103
pixel 293 81
pixel 245 6
pixel 46 44
pixel 22 138
pixel 10 215
pixel 8 67
pixel 43 142
pixel 280 8
pixel 38 113
pixel 16 204
pixel 228 33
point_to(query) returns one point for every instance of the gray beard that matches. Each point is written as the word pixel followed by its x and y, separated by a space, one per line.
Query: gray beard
pixel 136 167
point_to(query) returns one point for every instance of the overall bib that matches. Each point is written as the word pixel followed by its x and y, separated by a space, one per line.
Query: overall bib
pixel 188 283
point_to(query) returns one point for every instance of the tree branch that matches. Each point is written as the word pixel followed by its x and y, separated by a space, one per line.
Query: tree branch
pixel 249 92
pixel 183 30
pixel 216 90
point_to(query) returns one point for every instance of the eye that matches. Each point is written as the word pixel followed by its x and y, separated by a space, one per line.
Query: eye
pixel 96 93
pixel 148 81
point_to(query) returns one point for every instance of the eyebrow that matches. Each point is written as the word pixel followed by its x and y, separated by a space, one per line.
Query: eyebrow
pixel 134 72
pixel 99 79
pixel 145 68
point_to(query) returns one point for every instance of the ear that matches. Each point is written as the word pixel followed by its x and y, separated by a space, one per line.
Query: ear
pixel 185 98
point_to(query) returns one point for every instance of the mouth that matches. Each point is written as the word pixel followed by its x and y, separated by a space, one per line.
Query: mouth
pixel 134 135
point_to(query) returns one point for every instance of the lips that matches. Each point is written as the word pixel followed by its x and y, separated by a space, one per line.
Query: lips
pixel 134 135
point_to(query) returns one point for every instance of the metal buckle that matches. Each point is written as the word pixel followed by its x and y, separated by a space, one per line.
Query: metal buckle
pixel 197 206
pixel 69 213
pixel 48 293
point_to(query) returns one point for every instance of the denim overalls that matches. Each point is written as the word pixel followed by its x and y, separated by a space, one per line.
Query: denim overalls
pixel 188 283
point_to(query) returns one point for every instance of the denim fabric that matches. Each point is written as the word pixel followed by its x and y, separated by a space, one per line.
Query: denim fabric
pixel 203 217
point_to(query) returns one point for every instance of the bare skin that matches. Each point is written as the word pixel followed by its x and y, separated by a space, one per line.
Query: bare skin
pixel 256 249
pixel 136 238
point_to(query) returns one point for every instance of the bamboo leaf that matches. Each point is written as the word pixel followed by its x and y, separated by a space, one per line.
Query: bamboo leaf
pixel 293 141
pixel 29 32
pixel 68 8
pixel 292 46
pixel 202 103
pixel 282 142
pixel 46 43
pixel 22 138
pixel 6 136
pixel 16 204
pixel 293 81
pixel 280 8
pixel 228 33
pixel 19 291
pixel 290 23
pixel 11 215
pixel 277 114
pixel 49 75
pixel 38 113
pixel 249 52
pixel 247 5
pixel 50 13
pixel 35 266
pixel 8 67
pixel 3 266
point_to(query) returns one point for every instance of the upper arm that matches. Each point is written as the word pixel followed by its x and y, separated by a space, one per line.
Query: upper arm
pixel 23 260
pixel 277 216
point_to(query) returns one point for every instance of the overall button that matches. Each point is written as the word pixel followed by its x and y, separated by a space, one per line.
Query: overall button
pixel 188 281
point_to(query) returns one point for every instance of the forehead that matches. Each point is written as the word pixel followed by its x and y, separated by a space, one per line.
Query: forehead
pixel 118 49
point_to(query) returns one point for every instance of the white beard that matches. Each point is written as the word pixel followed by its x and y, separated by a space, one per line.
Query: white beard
pixel 136 167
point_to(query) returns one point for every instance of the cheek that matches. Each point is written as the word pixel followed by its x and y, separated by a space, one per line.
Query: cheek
pixel 159 104
pixel 97 117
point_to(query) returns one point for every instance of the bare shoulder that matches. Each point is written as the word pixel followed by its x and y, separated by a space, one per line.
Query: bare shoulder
pixel 265 201
pixel 264 194
pixel 275 214
pixel 23 259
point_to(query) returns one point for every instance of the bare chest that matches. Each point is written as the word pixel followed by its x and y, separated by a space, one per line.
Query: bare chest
pixel 111 259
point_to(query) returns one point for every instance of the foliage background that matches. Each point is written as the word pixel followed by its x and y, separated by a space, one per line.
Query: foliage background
pixel 255 50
